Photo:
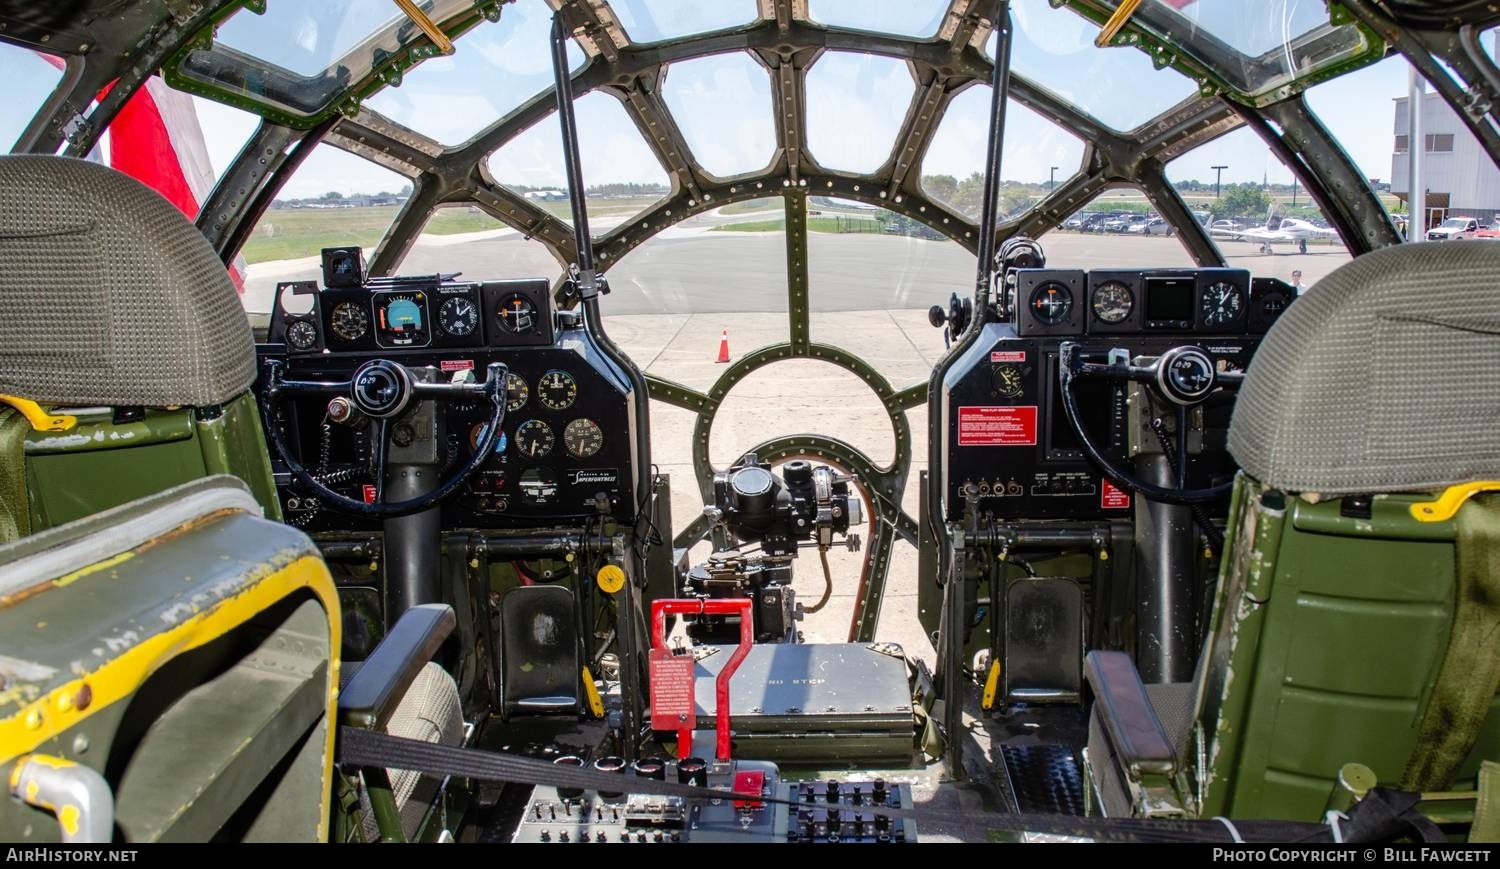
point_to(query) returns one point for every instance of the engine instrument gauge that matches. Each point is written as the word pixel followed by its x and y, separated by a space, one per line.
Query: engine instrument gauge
pixel 1222 304
pixel 349 321
pixel 517 314
pixel 1008 382
pixel 1051 303
pixel 458 316
pixel 534 439
pixel 557 390
pixel 1113 302
pixel 401 320
pixel 516 392
pixel 302 335
pixel 583 438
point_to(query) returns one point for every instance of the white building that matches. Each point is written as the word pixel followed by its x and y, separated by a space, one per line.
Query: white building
pixel 1461 179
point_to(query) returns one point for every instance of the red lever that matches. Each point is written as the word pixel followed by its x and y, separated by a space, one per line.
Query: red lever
pixel 717 607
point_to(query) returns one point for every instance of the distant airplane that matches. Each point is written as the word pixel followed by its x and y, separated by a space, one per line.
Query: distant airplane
pixel 1282 230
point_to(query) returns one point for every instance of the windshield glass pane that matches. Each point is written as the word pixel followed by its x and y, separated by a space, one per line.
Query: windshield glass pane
pixel 30 77
pixel 855 105
pixel 333 199
pixel 622 173
pixel 1258 216
pixel 722 105
pixel 1360 110
pixel 495 68
pixel 1251 28
pixel 873 274
pixel 1037 154
pixel 297 58
pixel 1117 229
pixel 225 131
pixel 655 20
pixel 1120 85
pixel 464 239
pixel 306 38
pixel 911 18
pixel 1255 46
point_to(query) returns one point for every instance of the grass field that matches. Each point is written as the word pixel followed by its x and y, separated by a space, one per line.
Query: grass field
pixel 292 233
pixel 814 224
pixel 751 206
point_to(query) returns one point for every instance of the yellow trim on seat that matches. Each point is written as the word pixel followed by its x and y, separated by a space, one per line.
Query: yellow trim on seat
pixel 40 419
pixel 53 714
pixel 1446 505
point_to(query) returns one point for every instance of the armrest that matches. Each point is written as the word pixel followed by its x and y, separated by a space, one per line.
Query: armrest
pixel 371 695
pixel 1129 719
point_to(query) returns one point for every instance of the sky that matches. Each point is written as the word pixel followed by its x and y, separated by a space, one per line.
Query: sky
pixel 722 103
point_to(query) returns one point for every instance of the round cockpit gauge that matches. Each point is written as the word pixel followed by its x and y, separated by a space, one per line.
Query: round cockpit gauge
pixel 534 439
pixel 349 321
pixel 516 392
pixel 1051 303
pixel 458 317
pixel 401 319
pixel 557 390
pixel 1113 302
pixel 583 438
pixel 1008 382
pixel 476 433
pixel 1222 304
pixel 517 314
pixel 302 335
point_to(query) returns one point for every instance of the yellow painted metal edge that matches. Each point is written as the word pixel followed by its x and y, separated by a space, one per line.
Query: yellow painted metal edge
pixel 1116 22
pixel 590 690
pixel 426 25
pixel 49 716
pixel 40 419
pixel 1446 505
pixel 991 686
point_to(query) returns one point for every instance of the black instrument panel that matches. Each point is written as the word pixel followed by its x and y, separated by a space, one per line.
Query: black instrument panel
pixel 411 313
pixel 567 445
pixel 1005 434
pixel 1070 302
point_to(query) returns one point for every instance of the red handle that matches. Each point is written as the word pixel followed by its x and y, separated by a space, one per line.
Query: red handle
pixel 715 607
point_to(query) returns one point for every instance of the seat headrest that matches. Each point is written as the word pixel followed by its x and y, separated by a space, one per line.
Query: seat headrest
pixel 109 296
pixel 1383 377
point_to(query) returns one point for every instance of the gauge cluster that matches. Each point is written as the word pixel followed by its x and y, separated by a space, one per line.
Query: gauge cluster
pixel 414 313
pixel 1204 301
pixel 567 446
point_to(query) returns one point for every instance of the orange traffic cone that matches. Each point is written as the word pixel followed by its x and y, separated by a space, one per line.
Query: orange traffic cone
pixel 723 347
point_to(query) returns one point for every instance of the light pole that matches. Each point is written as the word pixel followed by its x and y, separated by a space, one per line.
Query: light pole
pixel 1052 179
pixel 1218 176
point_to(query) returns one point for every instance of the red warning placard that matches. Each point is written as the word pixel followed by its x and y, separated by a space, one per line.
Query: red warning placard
pixel 1008 356
pixel 1112 497
pixel 671 690
pixel 997 426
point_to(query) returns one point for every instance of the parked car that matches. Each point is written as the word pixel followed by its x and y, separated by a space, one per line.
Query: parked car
pixel 1150 226
pixel 1080 221
pixel 1225 227
pixel 1491 231
pixel 1454 227
pixel 1118 223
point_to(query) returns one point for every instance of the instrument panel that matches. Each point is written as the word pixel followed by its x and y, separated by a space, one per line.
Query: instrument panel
pixel 1072 302
pixel 408 313
pixel 567 444
pixel 1007 438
